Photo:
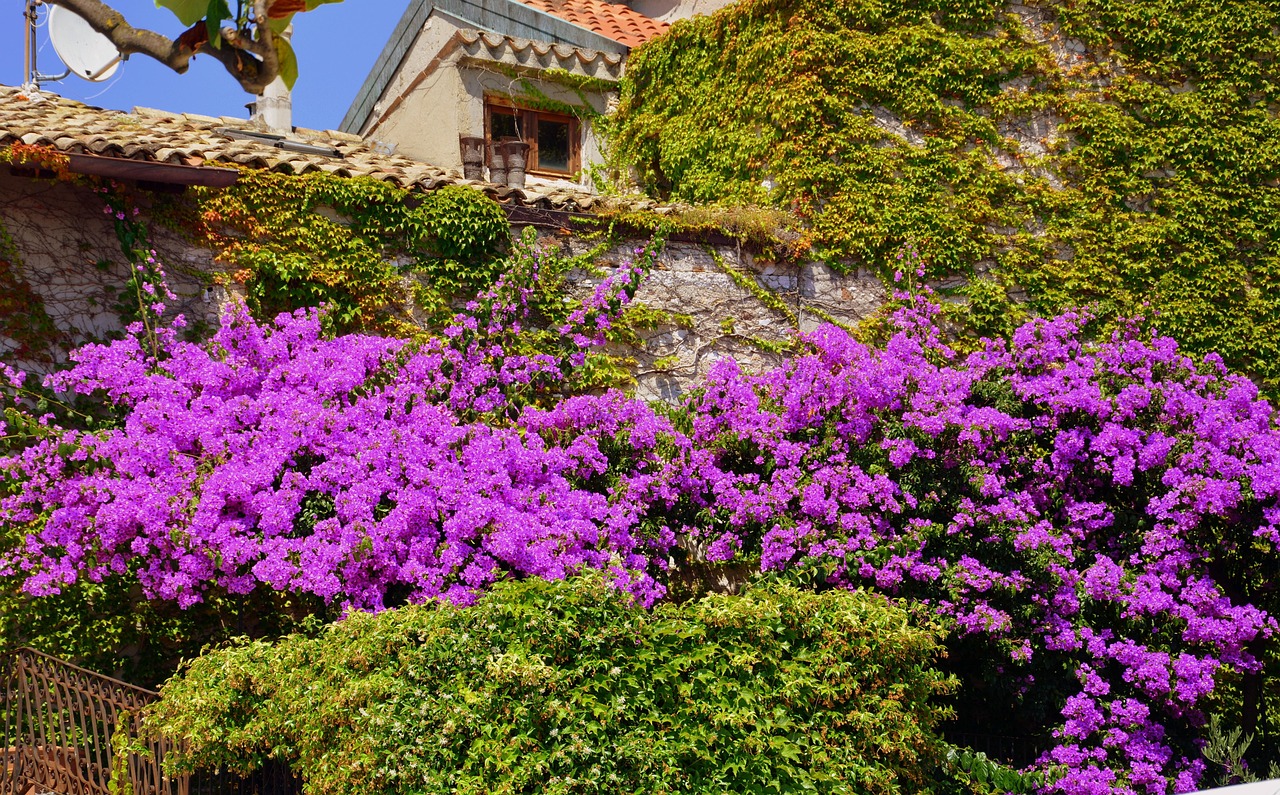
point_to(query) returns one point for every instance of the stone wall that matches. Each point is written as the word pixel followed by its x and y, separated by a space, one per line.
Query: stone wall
pixel 70 260
pixel 723 318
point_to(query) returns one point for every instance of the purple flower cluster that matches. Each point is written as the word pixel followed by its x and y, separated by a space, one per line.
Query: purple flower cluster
pixel 1057 496
pixel 272 456
pixel 1054 495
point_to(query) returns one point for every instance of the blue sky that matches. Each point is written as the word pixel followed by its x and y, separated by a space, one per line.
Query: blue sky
pixel 336 45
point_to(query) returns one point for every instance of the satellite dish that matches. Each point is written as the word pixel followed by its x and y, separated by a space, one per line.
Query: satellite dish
pixel 85 51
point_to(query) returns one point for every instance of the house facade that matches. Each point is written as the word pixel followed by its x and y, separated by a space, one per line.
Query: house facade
pixel 458 79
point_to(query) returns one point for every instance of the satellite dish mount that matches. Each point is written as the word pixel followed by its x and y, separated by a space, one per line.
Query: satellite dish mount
pixel 86 53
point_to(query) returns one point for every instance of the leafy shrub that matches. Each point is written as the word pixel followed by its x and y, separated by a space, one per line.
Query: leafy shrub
pixel 567 687
pixel 1100 517
pixel 469 231
pixel 303 241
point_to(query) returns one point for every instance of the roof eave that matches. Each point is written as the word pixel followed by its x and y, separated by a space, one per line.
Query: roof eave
pixel 504 17
pixel 151 171
pixel 393 52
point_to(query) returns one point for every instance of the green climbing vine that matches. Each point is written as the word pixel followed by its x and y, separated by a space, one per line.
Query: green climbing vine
pixel 1120 154
pixel 384 259
pixel 765 296
pixel 378 256
pixel 530 95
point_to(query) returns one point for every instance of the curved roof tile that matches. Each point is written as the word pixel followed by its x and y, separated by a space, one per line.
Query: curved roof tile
pixel 188 139
pixel 615 21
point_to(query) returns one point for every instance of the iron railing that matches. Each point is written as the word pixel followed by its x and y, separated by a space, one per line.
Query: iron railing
pixel 58 721
pixel 57 726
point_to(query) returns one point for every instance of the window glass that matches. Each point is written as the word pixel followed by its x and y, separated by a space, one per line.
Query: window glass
pixel 503 125
pixel 553 145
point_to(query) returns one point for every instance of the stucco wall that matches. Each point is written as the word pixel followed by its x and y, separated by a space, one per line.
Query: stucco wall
pixel 430 116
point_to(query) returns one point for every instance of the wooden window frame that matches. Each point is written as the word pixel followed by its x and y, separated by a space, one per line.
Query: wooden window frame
pixel 528 124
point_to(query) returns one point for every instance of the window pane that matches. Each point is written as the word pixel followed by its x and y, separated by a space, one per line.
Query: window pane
pixel 503 125
pixel 553 145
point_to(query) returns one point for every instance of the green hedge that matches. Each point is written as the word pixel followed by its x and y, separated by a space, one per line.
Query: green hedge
pixel 564 687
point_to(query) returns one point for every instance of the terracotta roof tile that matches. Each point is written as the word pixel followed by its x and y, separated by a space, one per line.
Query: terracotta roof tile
pixel 155 135
pixel 187 139
pixel 614 21
pixel 608 63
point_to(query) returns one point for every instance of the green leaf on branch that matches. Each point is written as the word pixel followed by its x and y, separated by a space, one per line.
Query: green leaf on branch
pixel 217 11
pixel 188 12
pixel 280 24
pixel 287 61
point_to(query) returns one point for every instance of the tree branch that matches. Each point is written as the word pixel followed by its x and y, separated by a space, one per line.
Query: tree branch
pixel 250 60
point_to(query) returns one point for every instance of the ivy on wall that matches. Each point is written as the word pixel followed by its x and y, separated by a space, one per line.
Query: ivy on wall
pixel 1119 153
pixel 375 254
pixel 386 260
pixel 526 90
pixel 25 323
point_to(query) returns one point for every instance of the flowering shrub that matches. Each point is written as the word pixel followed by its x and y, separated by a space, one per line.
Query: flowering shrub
pixel 1085 502
pixel 1107 509
pixel 336 467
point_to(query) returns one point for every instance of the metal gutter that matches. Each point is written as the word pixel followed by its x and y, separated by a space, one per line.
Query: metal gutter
pixel 152 171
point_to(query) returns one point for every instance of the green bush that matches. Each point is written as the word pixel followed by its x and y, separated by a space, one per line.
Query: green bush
pixel 467 230
pixel 564 687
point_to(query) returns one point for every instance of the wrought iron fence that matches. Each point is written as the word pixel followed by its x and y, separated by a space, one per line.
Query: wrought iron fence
pixel 58 721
